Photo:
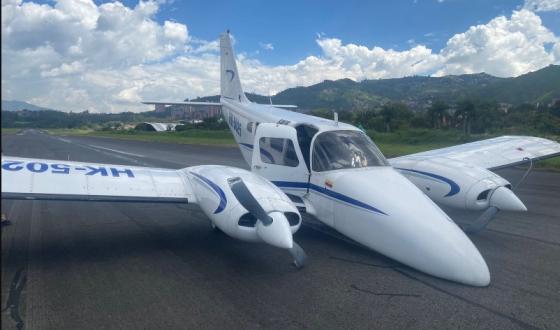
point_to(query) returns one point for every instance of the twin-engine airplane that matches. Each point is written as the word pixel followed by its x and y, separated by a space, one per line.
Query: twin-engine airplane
pixel 301 163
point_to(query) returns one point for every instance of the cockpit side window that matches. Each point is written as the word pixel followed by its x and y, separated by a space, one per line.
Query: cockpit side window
pixel 334 150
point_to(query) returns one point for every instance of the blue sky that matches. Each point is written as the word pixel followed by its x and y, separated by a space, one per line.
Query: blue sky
pixel 292 26
pixel 108 56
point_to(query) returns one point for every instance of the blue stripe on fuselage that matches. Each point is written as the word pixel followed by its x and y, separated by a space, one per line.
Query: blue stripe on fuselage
pixel 329 193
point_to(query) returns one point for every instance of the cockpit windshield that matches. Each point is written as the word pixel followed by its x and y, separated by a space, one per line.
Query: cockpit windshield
pixel 335 150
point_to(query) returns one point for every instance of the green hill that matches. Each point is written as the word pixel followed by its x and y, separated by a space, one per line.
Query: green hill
pixel 418 92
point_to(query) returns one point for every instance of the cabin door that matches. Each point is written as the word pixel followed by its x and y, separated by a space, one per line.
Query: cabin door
pixel 277 157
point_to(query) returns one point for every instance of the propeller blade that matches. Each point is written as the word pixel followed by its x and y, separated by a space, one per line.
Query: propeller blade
pixel 248 201
pixel 300 258
pixel 482 221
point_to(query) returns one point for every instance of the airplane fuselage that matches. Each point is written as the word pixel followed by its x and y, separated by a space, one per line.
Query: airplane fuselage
pixel 370 202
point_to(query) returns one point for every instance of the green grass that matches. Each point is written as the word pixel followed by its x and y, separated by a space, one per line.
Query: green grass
pixel 193 136
pixel 551 164
pixel 6 131
pixel 391 150
pixel 391 144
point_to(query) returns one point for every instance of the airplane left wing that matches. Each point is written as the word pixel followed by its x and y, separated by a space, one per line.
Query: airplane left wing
pixel 40 179
pixel 462 177
pixel 492 154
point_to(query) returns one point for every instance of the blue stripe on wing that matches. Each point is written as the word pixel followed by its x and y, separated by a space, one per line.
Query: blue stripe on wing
pixel 217 189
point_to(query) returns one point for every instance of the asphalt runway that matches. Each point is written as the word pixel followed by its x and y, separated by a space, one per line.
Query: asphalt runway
pixel 71 265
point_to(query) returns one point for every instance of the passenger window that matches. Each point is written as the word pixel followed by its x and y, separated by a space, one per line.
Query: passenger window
pixel 278 151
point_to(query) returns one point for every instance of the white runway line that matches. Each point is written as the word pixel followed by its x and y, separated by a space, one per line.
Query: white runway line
pixel 117 151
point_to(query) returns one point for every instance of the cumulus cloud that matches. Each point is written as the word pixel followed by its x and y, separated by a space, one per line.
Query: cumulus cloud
pixel 266 46
pixel 76 55
pixel 503 47
pixel 542 5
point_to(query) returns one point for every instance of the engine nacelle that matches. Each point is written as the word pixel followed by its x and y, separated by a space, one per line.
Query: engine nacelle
pixel 453 183
pixel 214 196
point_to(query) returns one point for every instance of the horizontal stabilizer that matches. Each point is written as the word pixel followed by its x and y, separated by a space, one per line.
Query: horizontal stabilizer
pixel 281 105
pixel 181 103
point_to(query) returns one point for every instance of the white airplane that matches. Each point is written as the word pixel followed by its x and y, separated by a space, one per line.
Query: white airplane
pixel 331 170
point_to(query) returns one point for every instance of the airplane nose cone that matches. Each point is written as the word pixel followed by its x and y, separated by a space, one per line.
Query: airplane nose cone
pixel 277 233
pixel 458 261
pixel 412 229
pixel 504 199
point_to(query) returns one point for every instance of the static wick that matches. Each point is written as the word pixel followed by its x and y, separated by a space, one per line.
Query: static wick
pixel 336 118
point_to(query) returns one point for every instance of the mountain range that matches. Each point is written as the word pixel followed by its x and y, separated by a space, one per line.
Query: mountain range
pixel 418 92
pixel 541 86
pixel 20 105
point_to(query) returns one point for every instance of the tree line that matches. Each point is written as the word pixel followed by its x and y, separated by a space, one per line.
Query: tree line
pixel 467 115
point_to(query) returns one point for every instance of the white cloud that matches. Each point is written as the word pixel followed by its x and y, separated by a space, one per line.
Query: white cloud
pixel 76 55
pixel 503 47
pixel 266 46
pixel 542 5
pixel 64 69
pixel 175 31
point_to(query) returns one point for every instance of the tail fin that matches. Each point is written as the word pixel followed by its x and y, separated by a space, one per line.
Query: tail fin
pixel 230 83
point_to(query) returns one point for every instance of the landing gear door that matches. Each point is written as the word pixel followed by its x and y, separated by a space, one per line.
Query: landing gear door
pixel 277 157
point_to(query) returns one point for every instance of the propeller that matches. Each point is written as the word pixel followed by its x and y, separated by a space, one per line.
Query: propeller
pixel 273 228
pixel 502 198
pixel 244 196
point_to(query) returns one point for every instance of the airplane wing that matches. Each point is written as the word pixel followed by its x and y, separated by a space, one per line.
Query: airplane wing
pixel 492 154
pixel 40 179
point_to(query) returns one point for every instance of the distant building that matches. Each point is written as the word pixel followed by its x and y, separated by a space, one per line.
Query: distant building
pixel 504 107
pixel 189 112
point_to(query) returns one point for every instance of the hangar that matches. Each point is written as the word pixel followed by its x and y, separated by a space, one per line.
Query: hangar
pixel 157 127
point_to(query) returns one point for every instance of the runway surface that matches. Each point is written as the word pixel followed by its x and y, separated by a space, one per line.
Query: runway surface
pixel 70 265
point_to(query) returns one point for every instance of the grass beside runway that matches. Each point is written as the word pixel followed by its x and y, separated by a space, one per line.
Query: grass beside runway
pixel 194 136
pixel 7 131
pixel 391 144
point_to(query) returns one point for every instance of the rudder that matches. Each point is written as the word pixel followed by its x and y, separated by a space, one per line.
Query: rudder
pixel 229 75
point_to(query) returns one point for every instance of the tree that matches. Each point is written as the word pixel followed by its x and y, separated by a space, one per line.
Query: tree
pixel 322 112
pixel 395 115
pixel 437 113
pixel 488 118
pixel 466 111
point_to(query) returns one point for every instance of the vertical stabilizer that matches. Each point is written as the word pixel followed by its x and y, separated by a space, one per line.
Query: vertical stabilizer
pixel 230 83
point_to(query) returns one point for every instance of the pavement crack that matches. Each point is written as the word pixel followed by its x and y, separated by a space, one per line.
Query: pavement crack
pixel 361 262
pixel 390 295
pixel 523 236
pixel 13 302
